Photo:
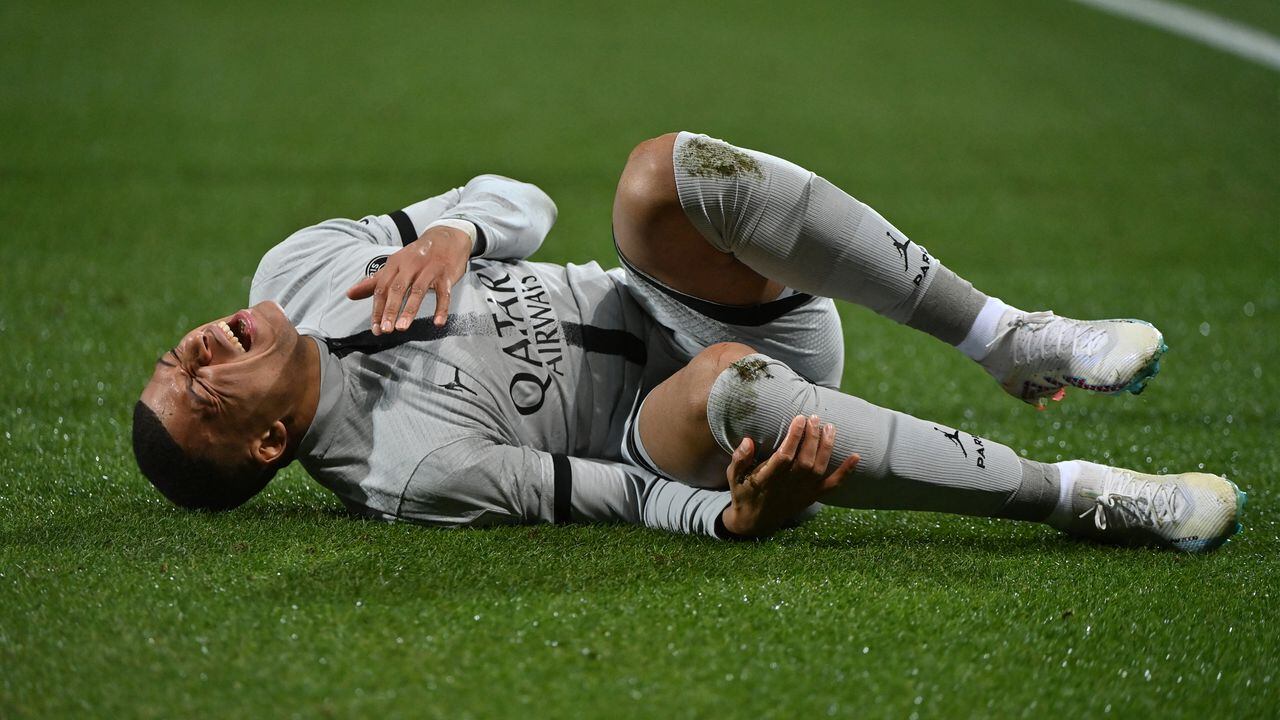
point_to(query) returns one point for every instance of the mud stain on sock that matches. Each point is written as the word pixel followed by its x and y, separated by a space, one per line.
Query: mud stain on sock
pixel 751 369
pixel 702 157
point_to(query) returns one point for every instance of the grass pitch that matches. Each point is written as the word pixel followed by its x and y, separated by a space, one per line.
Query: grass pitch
pixel 1056 156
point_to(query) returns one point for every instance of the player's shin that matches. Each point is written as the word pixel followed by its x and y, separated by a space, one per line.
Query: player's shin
pixel 794 227
pixel 907 463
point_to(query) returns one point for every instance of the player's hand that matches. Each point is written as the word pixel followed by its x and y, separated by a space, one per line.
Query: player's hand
pixel 767 495
pixel 433 262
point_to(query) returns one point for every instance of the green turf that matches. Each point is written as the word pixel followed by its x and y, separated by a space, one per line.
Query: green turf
pixel 1057 156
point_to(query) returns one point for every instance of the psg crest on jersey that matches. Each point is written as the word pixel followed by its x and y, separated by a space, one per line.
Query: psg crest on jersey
pixel 375 265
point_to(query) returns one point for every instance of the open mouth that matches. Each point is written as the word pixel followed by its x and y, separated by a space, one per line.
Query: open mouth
pixel 239 330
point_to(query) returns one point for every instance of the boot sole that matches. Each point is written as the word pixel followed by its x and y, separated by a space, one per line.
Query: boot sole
pixel 1148 371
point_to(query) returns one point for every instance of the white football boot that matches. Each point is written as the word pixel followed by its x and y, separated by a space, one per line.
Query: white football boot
pixel 1039 355
pixel 1192 512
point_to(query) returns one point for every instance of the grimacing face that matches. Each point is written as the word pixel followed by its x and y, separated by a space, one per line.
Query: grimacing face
pixel 224 391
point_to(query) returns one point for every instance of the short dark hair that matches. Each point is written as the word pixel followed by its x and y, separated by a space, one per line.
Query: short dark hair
pixel 190 482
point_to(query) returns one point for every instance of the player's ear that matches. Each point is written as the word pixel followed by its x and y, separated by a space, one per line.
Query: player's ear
pixel 268 447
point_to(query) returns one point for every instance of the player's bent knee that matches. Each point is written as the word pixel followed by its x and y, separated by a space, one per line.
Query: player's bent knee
pixel 712 361
pixel 648 180
pixel 691 387
pixel 754 396
pixel 652 153
pixel 724 354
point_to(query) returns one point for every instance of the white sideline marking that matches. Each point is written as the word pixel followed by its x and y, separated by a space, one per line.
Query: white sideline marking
pixel 1236 38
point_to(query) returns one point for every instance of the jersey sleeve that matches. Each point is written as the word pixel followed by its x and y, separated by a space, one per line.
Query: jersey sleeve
pixel 309 272
pixel 475 481
pixel 511 217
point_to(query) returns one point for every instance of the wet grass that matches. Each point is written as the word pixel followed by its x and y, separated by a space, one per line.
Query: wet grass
pixel 1056 156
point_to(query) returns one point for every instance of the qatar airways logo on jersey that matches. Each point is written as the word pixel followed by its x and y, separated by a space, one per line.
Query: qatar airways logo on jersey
pixel 529 332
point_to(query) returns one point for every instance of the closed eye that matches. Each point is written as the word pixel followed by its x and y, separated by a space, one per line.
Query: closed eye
pixel 207 402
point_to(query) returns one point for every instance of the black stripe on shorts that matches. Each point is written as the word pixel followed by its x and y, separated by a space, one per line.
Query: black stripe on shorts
pixel 743 315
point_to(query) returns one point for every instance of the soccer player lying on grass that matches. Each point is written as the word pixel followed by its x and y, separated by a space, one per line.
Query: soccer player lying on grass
pixel 488 389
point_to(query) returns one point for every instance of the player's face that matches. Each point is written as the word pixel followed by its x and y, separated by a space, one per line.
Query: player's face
pixel 226 382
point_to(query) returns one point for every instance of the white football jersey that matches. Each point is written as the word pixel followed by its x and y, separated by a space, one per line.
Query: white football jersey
pixel 513 411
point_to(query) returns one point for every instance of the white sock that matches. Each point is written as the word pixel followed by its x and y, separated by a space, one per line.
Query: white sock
pixel 796 228
pixel 907 463
pixel 976 343
pixel 1068 471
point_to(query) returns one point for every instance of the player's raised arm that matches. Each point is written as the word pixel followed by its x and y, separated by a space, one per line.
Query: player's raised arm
pixel 509 218
pixel 492 216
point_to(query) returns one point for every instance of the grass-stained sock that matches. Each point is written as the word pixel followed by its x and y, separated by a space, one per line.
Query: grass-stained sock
pixel 907 463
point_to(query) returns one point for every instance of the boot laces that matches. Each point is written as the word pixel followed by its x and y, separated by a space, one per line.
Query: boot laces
pixel 1126 501
pixel 1046 336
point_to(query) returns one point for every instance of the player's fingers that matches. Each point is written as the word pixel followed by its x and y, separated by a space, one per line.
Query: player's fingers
pixel 785 455
pixel 379 301
pixel 443 288
pixel 739 462
pixel 837 478
pixel 362 289
pixel 825 446
pixel 395 298
pixel 413 299
pixel 808 452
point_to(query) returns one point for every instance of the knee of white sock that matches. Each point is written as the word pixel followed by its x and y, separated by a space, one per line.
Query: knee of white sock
pixel 724 189
pixel 795 227
pixel 757 397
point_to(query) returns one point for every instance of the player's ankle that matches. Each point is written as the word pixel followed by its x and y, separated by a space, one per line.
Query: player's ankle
pixel 978 343
pixel 1038 494
pixel 1068 473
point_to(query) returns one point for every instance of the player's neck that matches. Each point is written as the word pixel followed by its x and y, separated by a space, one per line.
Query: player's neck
pixel 304 365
